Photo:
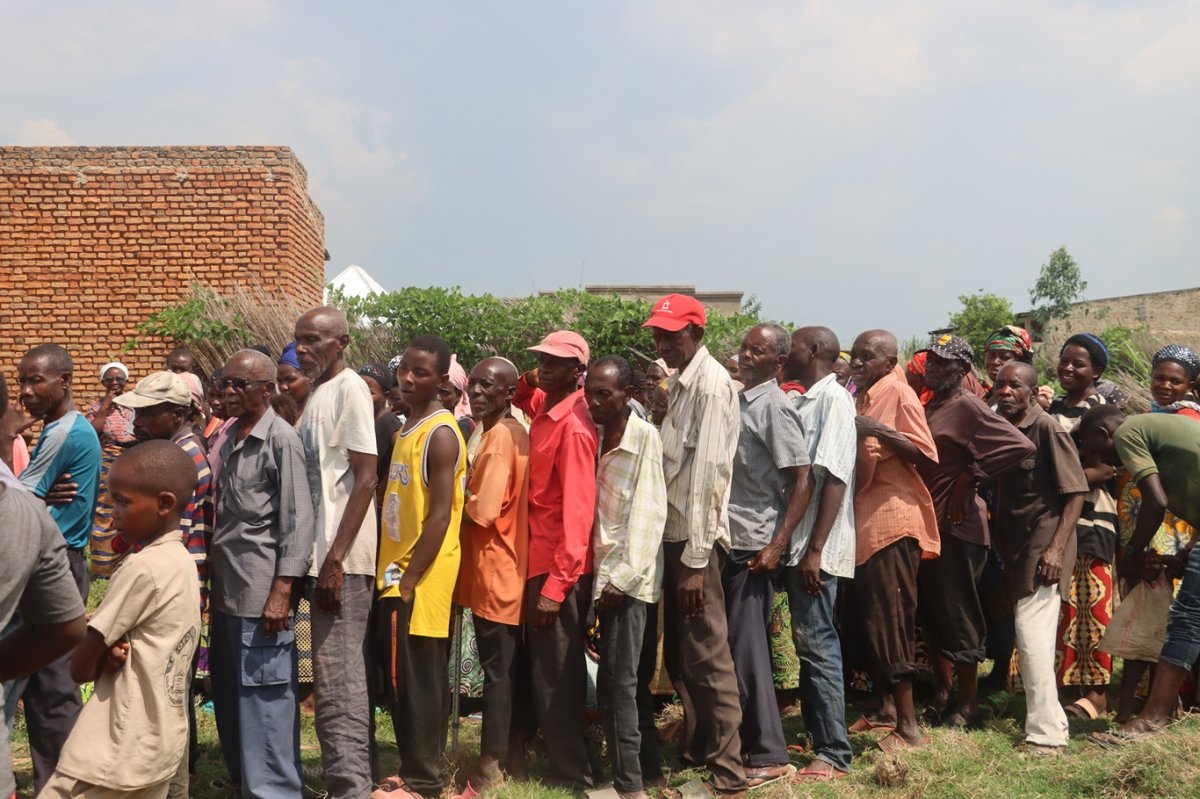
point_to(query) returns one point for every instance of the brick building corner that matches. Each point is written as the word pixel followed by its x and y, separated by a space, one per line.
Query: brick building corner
pixel 93 240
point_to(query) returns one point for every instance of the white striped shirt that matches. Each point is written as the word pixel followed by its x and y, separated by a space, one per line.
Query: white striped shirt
pixel 700 435
pixel 827 415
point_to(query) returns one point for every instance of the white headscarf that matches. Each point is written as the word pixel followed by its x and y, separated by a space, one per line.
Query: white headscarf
pixel 114 365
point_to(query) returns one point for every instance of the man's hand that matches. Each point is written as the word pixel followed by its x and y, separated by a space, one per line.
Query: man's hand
pixel 545 613
pixel 329 585
pixel 691 591
pixel 275 611
pixel 810 571
pixel 868 426
pixel 407 587
pixel 767 559
pixel 63 492
pixel 117 654
pixel 1049 567
pixel 611 597
pixel 962 498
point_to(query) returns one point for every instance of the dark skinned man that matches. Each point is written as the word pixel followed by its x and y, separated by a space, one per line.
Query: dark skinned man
pixel 261 545
pixel 495 553
pixel 896 529
pixel 338 431
pixel 419 559
pixel 67 449
pixel 1037 507
pixel 769 492
pixel 700 436
pixel 181 360
pixel 821 549
pixel 558 587
pixel 974 446
pixel 631 510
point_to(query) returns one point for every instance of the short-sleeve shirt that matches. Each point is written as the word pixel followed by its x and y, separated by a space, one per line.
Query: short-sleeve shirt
pixel 133 731
pixel 68 445
pixel 405 509
pixel 1167 445
pixel 1030 498
pixel 35 579
pixel 338 419
pixel 495 525
pixel 118 424
pixel 770 442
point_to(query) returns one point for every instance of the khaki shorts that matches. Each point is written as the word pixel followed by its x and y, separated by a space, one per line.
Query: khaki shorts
pixel 61 786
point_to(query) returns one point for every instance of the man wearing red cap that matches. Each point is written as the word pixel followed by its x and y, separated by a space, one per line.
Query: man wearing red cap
pixel 558 588
pixel 700 434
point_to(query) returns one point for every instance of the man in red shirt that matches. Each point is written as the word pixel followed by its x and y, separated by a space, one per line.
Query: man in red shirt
pixel 558 588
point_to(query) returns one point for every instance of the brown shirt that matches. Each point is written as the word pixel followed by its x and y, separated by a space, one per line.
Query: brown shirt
pixel 974 439
pixel 1029 502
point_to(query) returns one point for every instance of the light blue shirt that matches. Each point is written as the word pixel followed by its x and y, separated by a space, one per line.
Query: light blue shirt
pixel 67 446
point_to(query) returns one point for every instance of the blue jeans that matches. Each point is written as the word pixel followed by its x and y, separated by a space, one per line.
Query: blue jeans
pixel 1182 645
pixel 822 687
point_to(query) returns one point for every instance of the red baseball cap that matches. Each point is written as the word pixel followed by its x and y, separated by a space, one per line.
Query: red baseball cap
pixel 675 312
pixel 563 344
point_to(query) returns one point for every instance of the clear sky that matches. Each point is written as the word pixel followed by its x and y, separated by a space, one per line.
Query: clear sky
pixel 852 164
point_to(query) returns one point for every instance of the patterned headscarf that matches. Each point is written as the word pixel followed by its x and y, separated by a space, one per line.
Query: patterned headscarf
pixel 1011 338
pixel 394 364
pixel 379 374
pixel 1184 356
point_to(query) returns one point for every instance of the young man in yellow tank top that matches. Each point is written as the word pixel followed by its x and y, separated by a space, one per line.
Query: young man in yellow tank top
pixel 417 569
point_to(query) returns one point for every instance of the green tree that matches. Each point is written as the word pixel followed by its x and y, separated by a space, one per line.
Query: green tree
pixel 1059 284
pixel 980 314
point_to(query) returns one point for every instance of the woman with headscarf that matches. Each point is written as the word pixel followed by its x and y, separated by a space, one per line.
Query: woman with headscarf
pixel 453 396
pixel 1088 607
pixel 114 426
pixel 1175 369
pixel 292 381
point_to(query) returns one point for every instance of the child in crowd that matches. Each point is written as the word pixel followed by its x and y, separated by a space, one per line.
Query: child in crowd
pixel 132 733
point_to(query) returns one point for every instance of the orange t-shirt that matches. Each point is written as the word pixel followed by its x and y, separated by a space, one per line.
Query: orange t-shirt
pixel 890 499
pixel 495 525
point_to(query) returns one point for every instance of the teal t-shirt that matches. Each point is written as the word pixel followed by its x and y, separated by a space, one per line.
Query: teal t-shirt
pixel 1168 445
pixel 67 446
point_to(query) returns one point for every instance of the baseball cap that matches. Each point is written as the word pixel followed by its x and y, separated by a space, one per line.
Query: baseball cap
pixel 952 348
pixel 155 389
pixel 675 312
pixel 563 344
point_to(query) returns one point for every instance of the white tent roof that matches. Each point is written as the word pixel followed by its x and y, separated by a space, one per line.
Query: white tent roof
pixel 355 282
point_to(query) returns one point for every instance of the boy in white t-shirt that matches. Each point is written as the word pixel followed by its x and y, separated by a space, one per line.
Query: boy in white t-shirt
pixel 131 735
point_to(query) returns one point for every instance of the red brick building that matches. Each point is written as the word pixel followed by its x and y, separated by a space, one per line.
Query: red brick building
pixel 95 239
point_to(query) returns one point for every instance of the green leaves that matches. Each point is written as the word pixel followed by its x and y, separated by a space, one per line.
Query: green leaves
pixel 980 315
pixel 1059 284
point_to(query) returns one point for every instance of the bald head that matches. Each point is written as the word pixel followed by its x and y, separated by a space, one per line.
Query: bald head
pixel 501 369
pixel 814 350
pixel 322 336
pixel 821 340
pixel 327 319
pixel 1023 371
pixel 153 467
pixel 490 390
pixel 883 340
pixel 872 357
pixel 252 364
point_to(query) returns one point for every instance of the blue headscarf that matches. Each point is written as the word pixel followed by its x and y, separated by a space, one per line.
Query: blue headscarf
pixel 288 356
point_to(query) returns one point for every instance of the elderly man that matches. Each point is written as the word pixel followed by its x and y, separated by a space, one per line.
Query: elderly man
pixel 700 436
pixel 558 587
pixel 67 448
pixel 338 431
pixel 822 547
pixel 897 528
pixel 769 494
pixel 495 552
pixel 974 446
pixel 261 545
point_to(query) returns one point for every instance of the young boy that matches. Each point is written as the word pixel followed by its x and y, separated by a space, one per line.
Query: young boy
pixel 132 733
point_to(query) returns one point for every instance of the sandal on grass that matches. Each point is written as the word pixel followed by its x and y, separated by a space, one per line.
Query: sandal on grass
pixel 894 743
pixel 1082 708
pixel 864 724
pixel 758 776
pixel 1041 750
pixel 1119 738
pixel 818 771
pixel 698 789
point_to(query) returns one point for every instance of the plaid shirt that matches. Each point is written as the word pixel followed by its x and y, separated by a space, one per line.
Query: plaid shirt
pixel 198 517
pixel 631 510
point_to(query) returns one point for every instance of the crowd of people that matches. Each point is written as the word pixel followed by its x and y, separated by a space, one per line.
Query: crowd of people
pixel 299 514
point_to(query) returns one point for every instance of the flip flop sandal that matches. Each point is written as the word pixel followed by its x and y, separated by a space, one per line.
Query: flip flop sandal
pixel 864 724
pixel 809 774
pixel 1041 750
pixel 893 743
pixel 1117 739
pixel 1082 708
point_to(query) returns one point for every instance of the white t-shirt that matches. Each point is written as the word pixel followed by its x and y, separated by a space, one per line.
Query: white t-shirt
pixel 339 419
pixel 133 731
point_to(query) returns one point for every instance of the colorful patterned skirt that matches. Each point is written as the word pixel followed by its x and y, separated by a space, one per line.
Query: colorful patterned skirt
pixel 1081 624
pixel 102 557
pixel 785 665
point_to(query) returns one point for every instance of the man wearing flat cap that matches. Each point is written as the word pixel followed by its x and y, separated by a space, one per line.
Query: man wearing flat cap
pixel 558 587
pixel 699 437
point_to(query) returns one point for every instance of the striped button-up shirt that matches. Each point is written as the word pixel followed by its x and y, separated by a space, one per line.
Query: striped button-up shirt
pixel 827 415
pixel 699 437
pixel 631 511
pixel 197 521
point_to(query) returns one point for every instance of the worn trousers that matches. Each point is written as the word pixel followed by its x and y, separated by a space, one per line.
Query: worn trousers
pixel 623 693
pixel 256 704
pixel 416 676
pixel 748 599
pixel 696 654
pixel 885 600
pixel 1036 622
pixel 822 683
pixel 51 698
pixel 559 678
pixel 949 600
pixel 1181 647
pixel 498 644
pixel 341 696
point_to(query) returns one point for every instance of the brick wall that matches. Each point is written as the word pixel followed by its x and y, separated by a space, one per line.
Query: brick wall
pixel 95 239
pixel 1171 316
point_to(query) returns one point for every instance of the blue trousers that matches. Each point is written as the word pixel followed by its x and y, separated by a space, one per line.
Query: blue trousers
pixel 822 687
pixel 1182 645
pixel 255 697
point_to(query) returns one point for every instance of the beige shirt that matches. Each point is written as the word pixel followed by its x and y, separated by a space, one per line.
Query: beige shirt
pixel 133 731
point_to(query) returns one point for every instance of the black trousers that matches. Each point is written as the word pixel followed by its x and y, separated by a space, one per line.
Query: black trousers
pixel 949 601
pixel 559 679
pixel 418 694
pixel 623 692
pixel 499 645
